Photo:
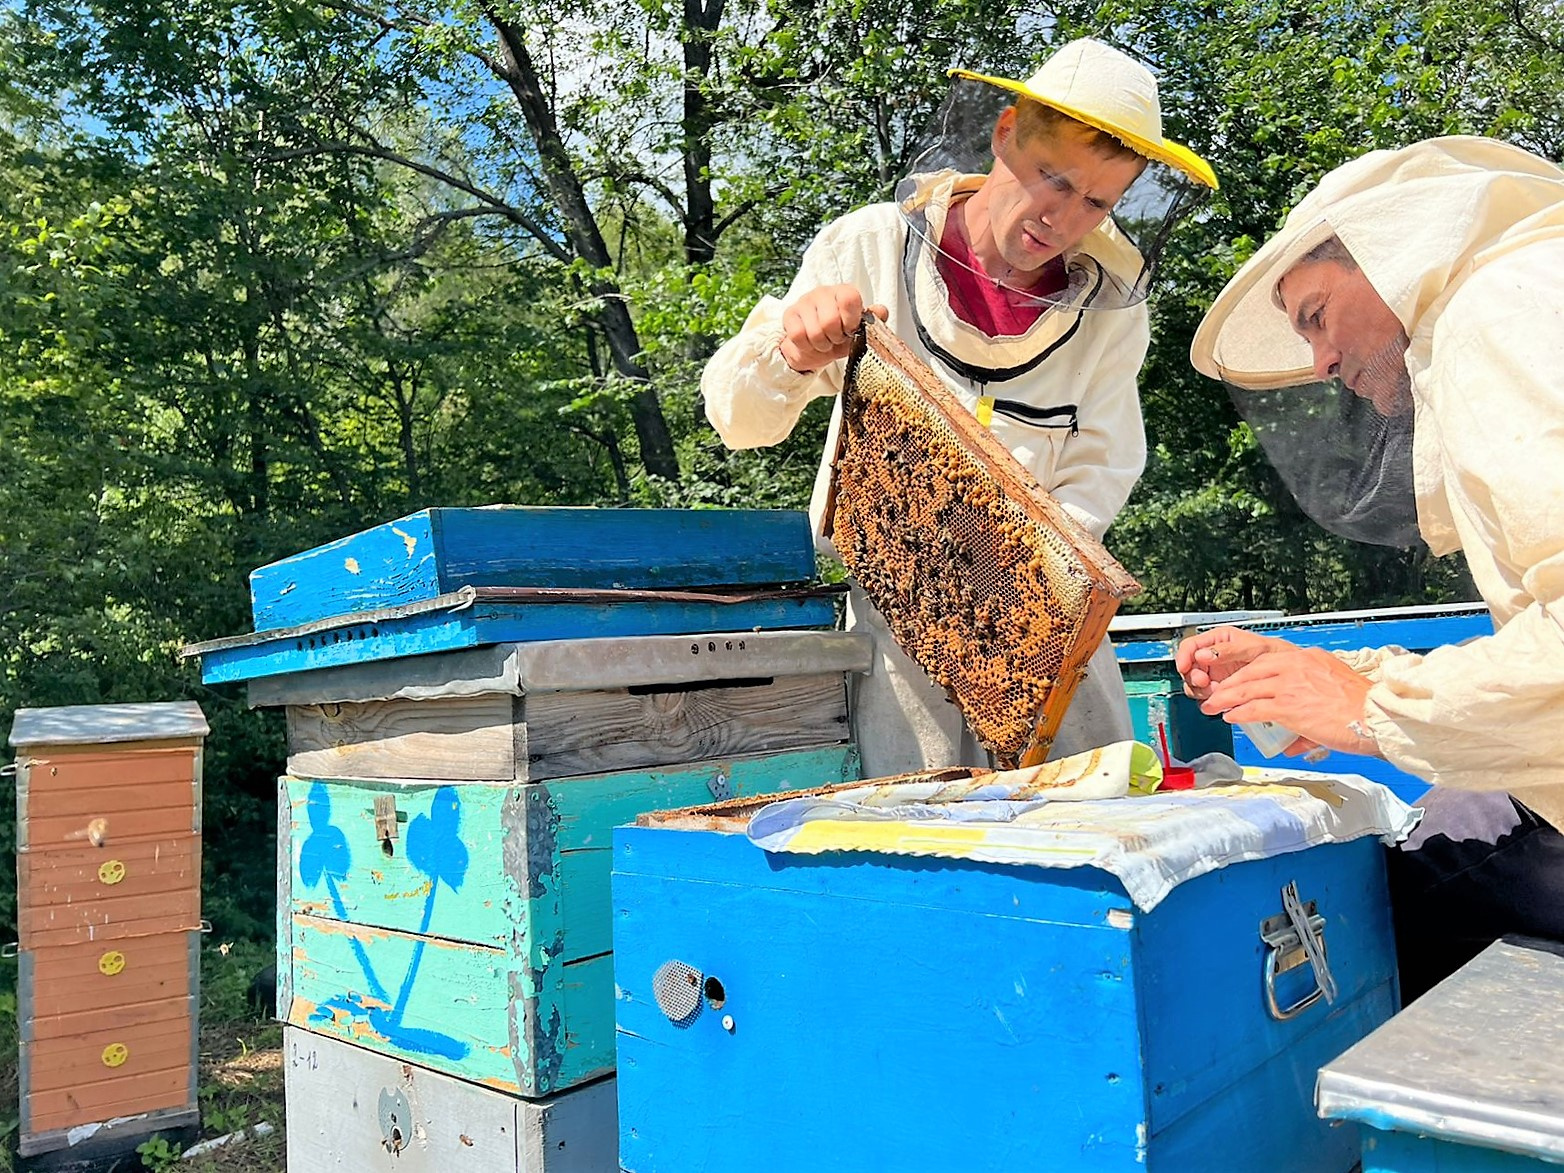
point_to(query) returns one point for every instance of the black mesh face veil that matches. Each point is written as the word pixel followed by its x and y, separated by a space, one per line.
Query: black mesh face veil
pixel 1345 454
pixel 1107 270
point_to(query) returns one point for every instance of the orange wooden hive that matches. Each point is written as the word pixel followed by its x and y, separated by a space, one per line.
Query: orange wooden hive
pixel 108 869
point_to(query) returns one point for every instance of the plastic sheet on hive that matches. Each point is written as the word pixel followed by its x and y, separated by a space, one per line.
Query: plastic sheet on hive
pixel 983 578
pixel 1151 843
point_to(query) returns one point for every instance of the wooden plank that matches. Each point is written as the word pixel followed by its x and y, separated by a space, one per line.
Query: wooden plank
pixel 447 875
pixel 438 1003
pixel 454 738
pixel 124 1095
pixel 72 894
pixel 117 920
pixel 457 1008
pixel 65 797
pixel 495 737
pixel 91 1020
pixel 354 642
pixel 69 1063
pixel 1399 1152
pixel 284 906
pixel 341 1100
pixel 574 665
pixel 516 871
pixel 109 973
pixel 436 551
pixel 622 729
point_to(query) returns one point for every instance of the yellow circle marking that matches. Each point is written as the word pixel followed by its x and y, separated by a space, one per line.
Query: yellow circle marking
pixel 112 872
pixel 115 1054
pixel 111 963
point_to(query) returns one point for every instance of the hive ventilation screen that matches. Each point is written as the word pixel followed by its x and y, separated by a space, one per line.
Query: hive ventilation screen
pixel 982 577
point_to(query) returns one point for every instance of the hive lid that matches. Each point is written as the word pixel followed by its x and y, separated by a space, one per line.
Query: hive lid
pixel 1475 1061
pixel 90 724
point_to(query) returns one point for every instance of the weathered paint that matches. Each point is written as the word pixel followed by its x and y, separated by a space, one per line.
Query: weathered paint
pixel 497 896
pixel 467 625
pixel 437 551
pixel 1063 1029
pixel 452 1007
pixel 353 1109
pixel 108 863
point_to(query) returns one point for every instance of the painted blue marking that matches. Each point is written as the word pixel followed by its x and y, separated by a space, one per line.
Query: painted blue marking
pixel 435 848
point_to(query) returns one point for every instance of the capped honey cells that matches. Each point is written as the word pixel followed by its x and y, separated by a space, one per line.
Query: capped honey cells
pixel 982 577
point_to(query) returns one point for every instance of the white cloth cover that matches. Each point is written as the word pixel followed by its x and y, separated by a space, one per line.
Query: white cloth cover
pixel 753 399
pixel 1084 812
pixel 1464 239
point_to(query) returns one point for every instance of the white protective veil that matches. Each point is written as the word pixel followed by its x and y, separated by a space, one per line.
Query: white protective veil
pixel 1417 222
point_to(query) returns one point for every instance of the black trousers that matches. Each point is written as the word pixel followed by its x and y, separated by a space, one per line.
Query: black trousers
pixel 1479 866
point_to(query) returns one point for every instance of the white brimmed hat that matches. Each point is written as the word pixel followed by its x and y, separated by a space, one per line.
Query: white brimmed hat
pixel 1102 87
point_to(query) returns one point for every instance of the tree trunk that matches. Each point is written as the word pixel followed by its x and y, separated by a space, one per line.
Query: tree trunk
pixel 624 345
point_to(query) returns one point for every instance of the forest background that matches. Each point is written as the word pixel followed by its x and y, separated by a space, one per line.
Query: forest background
pixel 272 271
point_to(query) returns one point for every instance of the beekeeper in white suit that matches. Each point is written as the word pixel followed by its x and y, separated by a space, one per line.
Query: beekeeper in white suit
pixel 1421 293
pixel 999 264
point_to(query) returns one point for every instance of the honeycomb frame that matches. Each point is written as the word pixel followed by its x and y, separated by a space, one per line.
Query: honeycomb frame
pixel 984 579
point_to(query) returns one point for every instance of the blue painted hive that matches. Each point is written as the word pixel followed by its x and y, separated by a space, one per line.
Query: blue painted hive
pixel 443 580
pixel 862 1010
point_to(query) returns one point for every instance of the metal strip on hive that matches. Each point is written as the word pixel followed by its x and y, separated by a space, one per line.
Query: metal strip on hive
pixel 983 578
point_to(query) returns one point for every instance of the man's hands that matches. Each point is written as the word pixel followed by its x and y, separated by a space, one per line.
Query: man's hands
pixel 818 328
pixel 1245 677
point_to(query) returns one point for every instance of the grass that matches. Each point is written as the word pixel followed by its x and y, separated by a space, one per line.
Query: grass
pixel 241 1076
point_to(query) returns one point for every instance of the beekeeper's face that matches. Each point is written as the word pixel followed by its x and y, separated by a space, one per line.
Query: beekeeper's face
pixel 1047 191
pixel 1354 335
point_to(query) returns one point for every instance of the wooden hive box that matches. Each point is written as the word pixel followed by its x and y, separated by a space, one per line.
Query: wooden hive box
pixel 444 850
pixel 109 906
pixel 965 1015
pixel 447 579
pixel 355 1109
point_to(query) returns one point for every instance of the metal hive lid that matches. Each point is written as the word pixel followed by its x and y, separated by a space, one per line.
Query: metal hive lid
pixel 90 724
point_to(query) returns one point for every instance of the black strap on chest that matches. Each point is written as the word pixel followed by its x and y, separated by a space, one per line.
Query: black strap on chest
pixel 985 375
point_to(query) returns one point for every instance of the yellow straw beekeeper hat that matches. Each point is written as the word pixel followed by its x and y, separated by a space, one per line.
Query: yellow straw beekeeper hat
pixel 1102 87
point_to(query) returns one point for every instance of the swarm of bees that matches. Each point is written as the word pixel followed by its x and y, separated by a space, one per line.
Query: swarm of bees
pixel 981 576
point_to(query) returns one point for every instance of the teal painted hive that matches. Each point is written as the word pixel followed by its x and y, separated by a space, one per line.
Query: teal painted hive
pixel 1145 646
pixel 444 833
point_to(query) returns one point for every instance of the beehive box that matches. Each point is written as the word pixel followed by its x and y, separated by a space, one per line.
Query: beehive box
pixel 1468 1078
pixel 865 1011
pixel 445 885
pixel 109 899
pixel 448 579
pixel 1145 646
pixel 1418 629
pixel 354 1109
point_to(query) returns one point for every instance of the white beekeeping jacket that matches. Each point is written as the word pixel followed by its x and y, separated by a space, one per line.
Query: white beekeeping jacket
pixel 1464 239
pixel 754 399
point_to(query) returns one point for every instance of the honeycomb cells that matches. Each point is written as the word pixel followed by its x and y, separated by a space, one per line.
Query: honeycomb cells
pixel 997 606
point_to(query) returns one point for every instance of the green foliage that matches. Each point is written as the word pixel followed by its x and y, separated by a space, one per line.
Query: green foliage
pixel 158 1154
